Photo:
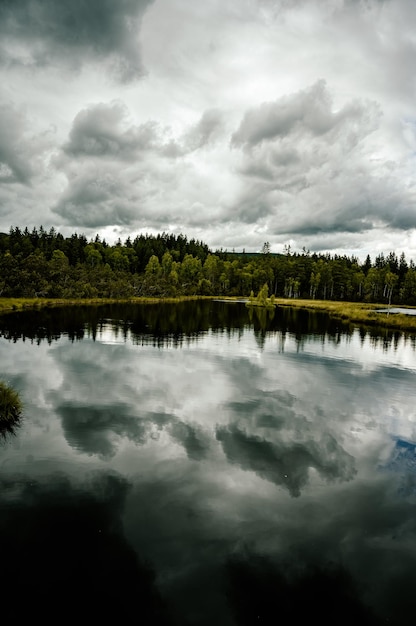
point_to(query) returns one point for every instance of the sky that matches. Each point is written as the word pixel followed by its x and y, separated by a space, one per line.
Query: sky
pixel 234 122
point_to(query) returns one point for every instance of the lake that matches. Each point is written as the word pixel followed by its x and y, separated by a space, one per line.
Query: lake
pixel 206 464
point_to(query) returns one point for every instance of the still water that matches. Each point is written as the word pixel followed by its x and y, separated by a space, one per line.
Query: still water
pixel 201 464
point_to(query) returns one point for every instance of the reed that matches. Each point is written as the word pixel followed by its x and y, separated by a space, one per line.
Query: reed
pixel 10 405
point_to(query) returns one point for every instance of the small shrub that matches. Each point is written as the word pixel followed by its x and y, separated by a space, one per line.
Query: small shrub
pixel 10 405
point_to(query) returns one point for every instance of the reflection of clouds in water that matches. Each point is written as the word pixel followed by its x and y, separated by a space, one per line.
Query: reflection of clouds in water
pixel 124 388
pixel 371 529
pixel 263 591
pixel 334 394
pixel 66 551
pixel 82 539
pixel 32 379
pixel 219 424
pixel 190 527
pixel 402 460
pixel 97 430
pixel 174 381
pixel 286 464
pixel 92 429
pixel 111 391
pixel 194 439
pixel 265 410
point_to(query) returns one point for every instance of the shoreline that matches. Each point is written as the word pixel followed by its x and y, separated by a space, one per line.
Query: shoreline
pixel 358 313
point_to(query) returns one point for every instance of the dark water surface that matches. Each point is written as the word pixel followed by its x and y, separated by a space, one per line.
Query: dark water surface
pixel 203 464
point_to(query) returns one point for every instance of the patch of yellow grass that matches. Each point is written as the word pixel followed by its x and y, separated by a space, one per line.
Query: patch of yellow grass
pixel 8 305
pixel 356 312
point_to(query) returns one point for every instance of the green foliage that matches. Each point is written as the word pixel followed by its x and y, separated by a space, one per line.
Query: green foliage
pixel 262 295
pixel 10 405
pixel 45 264
pixel 262 299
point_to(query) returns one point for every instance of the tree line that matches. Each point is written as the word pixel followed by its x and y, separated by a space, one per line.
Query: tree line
pixel 41 263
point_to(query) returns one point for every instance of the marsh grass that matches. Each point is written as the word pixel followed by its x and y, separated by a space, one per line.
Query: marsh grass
pixel 10 410
pixel 357 313
pixel 9 305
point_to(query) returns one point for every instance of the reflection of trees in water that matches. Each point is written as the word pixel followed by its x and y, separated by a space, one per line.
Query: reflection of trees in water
pixel 261 314
pixel 172 324
pixel 65 557
pixel 136 321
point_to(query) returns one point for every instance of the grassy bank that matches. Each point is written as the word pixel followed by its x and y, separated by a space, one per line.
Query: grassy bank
pixel 357 313
pixel 352 312
pixel 8 305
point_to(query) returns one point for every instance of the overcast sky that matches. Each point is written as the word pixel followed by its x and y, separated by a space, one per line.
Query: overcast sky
pixel 232 121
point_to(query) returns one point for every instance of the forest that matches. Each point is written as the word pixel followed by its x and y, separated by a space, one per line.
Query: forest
pixel 41 263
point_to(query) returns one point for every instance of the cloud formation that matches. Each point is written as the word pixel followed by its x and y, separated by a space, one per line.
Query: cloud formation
pixel 44 33
pixel 99 132
pixel 234 123
pixel 118 171
pixel 299 156
pixel 20 149
pixel 308 111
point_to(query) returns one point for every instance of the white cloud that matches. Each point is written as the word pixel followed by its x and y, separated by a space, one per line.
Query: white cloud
pixel 234 122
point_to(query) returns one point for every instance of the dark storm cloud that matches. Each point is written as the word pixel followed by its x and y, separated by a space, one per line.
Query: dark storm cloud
pixel 372 200
pixel 99 194
pixel 308 111
pixel 331 6
pixel 277 157
pixel 273 119
pixel 96 197
pixel 103 131
pixel 342 225
pixel 299 156
pixel 51 32
pixel 18 150
pixel 116 168
pixel 205 131
pixel 359 217
pixel 404 219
